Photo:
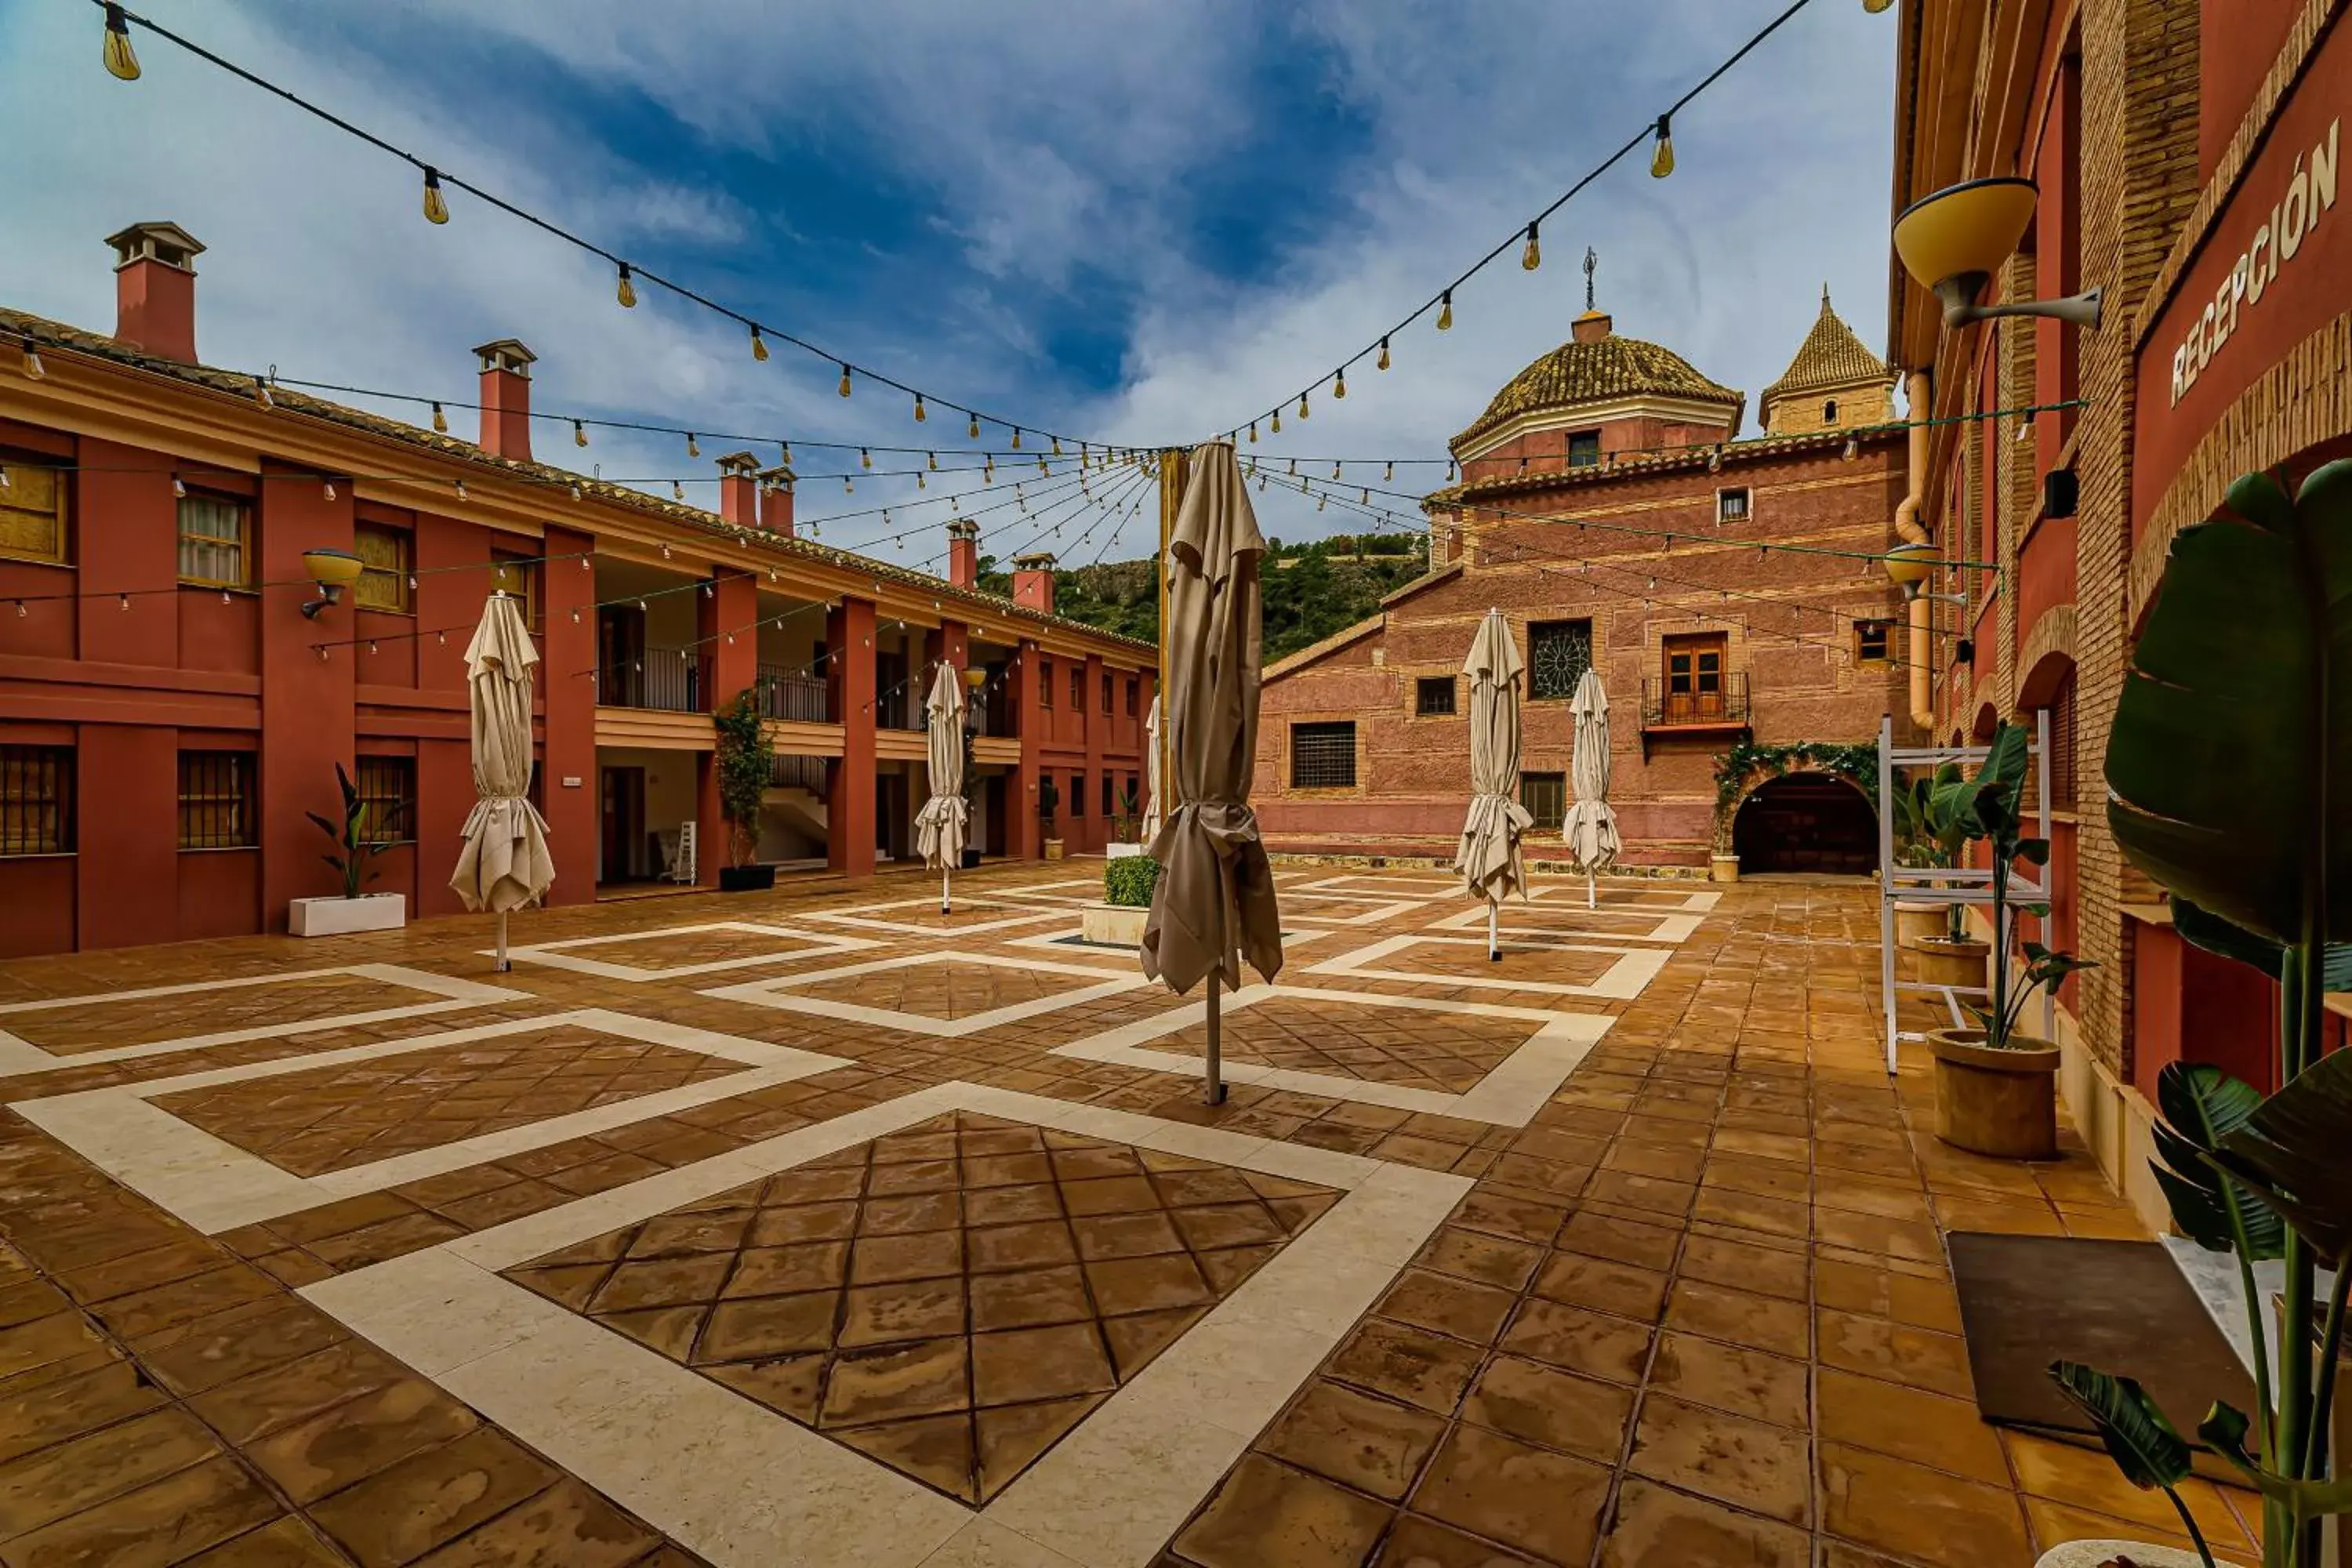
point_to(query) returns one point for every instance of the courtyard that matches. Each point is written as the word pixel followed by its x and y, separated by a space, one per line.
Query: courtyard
pixel 817 1227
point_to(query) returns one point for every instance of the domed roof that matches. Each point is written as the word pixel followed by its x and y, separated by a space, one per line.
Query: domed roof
pixel 1595 366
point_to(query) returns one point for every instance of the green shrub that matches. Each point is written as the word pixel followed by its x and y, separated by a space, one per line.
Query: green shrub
pixel 1128 880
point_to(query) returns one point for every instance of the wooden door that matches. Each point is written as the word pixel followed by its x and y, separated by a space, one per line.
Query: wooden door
pixel 623 839
pixel 1695 677
pixel 620 656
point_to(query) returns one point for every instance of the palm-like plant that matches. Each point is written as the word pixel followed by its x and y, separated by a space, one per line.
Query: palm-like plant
pixel 358 839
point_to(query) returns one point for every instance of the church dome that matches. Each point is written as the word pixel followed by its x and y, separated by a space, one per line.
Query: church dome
pixel 1597 366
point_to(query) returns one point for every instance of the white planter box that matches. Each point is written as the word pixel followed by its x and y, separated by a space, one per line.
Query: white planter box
pixel 1120 851
pixel 1114 925
pixel 342 917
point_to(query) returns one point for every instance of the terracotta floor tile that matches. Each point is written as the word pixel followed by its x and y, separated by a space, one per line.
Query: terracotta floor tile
pixel 52 1483
pixel 1588 1343
pixel 2086 1479
pixel 360 1437
pixel 1618 1288
pixel 1267 1514
pixel 1447 1306
pixel 1910 1424
pixel 1418 1543
pixel 1883 1294
pixel 429 1499
pixel 1369 1444
pixel 1537 1404
pixel 1643 1245
pixel 1744 1265
pixel 1748 1464
pixel 1486 1259
pixel 1877 1347
pixel 288 1543
pixel 1654 1527
pixel 1544 1503
pixel 1408 1364
pixel 1737 1317
pixel 1919 1514
pixel 1024 1365
pixel 179 1515
pixel 1729 1377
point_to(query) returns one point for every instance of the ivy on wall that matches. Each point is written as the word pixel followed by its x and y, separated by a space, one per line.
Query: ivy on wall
pixel 1744 762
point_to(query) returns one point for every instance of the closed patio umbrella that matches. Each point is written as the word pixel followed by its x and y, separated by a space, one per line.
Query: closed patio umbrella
pixel 1489 857
pixel 504 864
pixel 1214 904
pixel 1591 827
pixel 1152 812
pixel 939 826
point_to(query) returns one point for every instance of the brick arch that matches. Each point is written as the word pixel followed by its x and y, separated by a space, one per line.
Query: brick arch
pixel 1756 779
pixel 2047 654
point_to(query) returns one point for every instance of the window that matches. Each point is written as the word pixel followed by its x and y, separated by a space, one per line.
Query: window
pixel 1731 506
pixel 32 513
pixel 1108 805
pixel 389 557
pixel 511 572
pixel 1694 678
pixel 1558 653
pixel 1107 691
pixel 1546 797
pixel 387 786
pixel 217 800
pixel 1432 696
pixel 1829 412
pixel 1077 794
pixel 1583 448
pixel 1133 686
pixel 216 541
pixel 37 800
pixel 1077 689
pixel 1323 756
pixel 1046 683
pixel 1870 641
pixel 2063 720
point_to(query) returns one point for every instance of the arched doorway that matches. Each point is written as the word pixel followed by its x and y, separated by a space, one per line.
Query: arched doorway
pixel 1806 822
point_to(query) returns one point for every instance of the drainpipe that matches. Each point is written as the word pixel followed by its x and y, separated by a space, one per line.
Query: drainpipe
pixel 1907 528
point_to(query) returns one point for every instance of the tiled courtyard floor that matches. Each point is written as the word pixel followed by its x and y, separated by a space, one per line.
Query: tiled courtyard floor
pixel 812 1227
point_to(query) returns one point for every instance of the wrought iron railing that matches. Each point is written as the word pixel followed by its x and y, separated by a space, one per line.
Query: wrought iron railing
pixel 787 694
pixel 661 680
pixel 1670 704
pixel 786 771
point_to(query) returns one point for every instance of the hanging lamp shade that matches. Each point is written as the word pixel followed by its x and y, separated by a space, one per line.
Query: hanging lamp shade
pixel 1968 229
pixel 1907 565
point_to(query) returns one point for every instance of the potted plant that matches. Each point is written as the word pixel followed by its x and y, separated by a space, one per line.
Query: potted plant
pixel 1929 837
pixel 1126 827
pixel 744 759
pixel 358 841
pixel 1995 1089
pixel 1049 802
pixel 1118 920
pixel 2228 783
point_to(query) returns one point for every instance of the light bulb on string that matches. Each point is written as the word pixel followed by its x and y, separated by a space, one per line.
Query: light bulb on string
pixel 1302 405
pixel 921 414
pixel 1252 432
pixel 693 447
pixel 575 489
pixel 437 209
pixel 971 430
pixel 1339 382
pixel 1853 449
pixel 261 392
pixel 579 433
pixel 1662 156
pixel 1335 469
pixel 121 61
pixel 1876 8
pixel 178 490
pixel 627 291
pixel 1016 438
pixel 849 486
pixel 461 490
pixel 1277 421
pixel 440 421
pixel 1058 446
pixel 864 458
pixel 932 462
pixel 330 489
pixel 1446 311
pixel 2025 431
pixel 920 483
pixel 1714 461
pixel 678 490
pixel 1532 257
pixel 1382 362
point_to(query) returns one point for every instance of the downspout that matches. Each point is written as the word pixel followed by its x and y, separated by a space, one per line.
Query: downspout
pixel 1908 529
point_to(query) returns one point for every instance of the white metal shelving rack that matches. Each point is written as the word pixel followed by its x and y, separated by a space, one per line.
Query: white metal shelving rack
pixel 1961 884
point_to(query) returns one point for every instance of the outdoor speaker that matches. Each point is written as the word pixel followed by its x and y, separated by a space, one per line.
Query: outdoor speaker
pixel 2059 492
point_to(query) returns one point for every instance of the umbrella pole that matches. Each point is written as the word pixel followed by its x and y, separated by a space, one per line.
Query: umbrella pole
pixel 1592 889
pixel 1213 1088
pixel 503 964
pixel 944 875
pixel 1494 947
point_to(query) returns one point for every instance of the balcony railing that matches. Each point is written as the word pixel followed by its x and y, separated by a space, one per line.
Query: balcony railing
pixel 789 695
pixel 661 680
pixel 1671 705
pixel 792 772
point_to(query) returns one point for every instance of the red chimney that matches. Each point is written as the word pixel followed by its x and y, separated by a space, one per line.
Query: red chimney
pixel 739 489
pixel 1591 327
pixel 505 399
pixel 155 289
pixel 1032 581
pixel 776 502
pixel 964 553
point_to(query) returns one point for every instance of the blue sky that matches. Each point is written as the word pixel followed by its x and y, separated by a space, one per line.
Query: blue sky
pixel 1137 222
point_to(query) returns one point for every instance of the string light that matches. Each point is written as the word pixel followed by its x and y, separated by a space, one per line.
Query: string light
pixel 1876 8
pixel 1339 382
pixel 575 489
pixel 121 61
pixel 677 490
pixel 1853 449
pixel 261 392
pixel 627 292
pixel 1662 156
pixel 1302 405
pixel 34 369
pixel 865 458
pixel 440 421
pixel 1383 364
pixel 844 388
pixel 759 346
pixel 933 458
pixel 461 490
pixel 1016 438
pixel 1387 475
pixel 1446 311
pixel 437 209
pixel 1714 461
pixel 178 490
pixel 1532 257
pixel 1278 422
pixel 2025 431
pixel 921 412
pixel 693 447
pixel 1252 432
pixel 331 489
pixel 579 433
pixel 973 430
pixel 1058 446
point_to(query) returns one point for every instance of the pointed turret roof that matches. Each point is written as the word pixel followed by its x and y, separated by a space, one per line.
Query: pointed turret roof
pixel 1830 356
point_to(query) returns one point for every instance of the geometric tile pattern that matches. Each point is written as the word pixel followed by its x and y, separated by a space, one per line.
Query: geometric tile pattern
pixel 951 1300
pixel 689 950
pixel 944 991
pixel 334 1118
pixel 1448 1053
pixel 1584 969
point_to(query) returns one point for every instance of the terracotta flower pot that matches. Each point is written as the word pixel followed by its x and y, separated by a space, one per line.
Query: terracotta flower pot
pixel 1723 868
pixel 1914 923
pixel 2102 1553
pixel 1997 1100
pixel 1952 961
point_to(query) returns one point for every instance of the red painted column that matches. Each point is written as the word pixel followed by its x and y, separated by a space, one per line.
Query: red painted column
pixel 1032 718
pixel 452 580
pixel 128 525
pixel 306 701
pixel 731 655
pixel 849 677
pixel 1097 831
pixel 127 780
pixel 567 768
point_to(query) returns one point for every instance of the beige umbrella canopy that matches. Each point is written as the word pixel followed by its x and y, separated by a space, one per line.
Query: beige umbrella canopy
pixel 1590 827
pixel 1213 905
pixel 1152 812
pixel 504 864
pixel 939 826
pixel 1489 857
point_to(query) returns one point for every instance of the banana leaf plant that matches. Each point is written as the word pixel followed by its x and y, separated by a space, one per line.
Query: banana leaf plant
pixel 2229 770
pixel 1990 807
pixel 1929 833
pixel 357 841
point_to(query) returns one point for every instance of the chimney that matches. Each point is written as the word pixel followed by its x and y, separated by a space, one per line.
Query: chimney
pixel 776 500
pixel 1032 581
pixel 739 489
pixel 155 289
pixel 964 553
pixel 505 399
pixel 1593 326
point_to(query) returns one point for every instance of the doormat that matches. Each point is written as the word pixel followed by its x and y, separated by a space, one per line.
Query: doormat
pixel 2120 1306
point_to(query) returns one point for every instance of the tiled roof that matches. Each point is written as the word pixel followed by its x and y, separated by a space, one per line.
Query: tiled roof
pixel 45 334
pixel 1830 356
pixel 1731 452
pixel 1597 372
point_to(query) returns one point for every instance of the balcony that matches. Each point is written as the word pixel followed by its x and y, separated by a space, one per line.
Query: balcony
pixel 787 695
pixel 661 681
pixel 786 771
pixel 1675 707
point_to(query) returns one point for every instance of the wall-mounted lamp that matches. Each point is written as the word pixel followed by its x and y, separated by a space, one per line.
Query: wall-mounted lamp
pixel 333 570
pixel 1907 567
pixel 1954 240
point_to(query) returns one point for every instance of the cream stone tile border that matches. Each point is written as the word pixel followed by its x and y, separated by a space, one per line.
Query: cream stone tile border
pixel 1510 1094
pixel 1298 904
pixel 215 1185
pixel 1663 927
pixel 743 1486
pixel 1046 943
pixel 1561 888
pixel 19 1055
pixel 1625 979
pixel 1417 885
pixel 1050 893
pixel 558 954
pixel 860 916
pixel 777 991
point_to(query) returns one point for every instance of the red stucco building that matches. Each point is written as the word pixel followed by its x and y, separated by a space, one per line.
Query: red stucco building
pixel 168 712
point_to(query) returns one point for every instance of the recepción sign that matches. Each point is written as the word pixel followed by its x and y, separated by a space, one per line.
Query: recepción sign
pixel 2295 211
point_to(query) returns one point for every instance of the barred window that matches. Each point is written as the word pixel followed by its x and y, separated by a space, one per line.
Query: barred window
pixel 1432 696
pixel 37 800
pixel 216 541
pixel 1107 691
pixel 1731 506
pixel 1046 683
pixel 514 572
pixel 1133 687
pixel 1077 794
pixel 387 787
pixel 1870 641
pixel 1558 653
pixel 1546 797
pixel 1583 448
pixel 32 512
pixel 2063 719
pixel 389 557
pixel 1323 756
pixel 217 800
pixel 1077 689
